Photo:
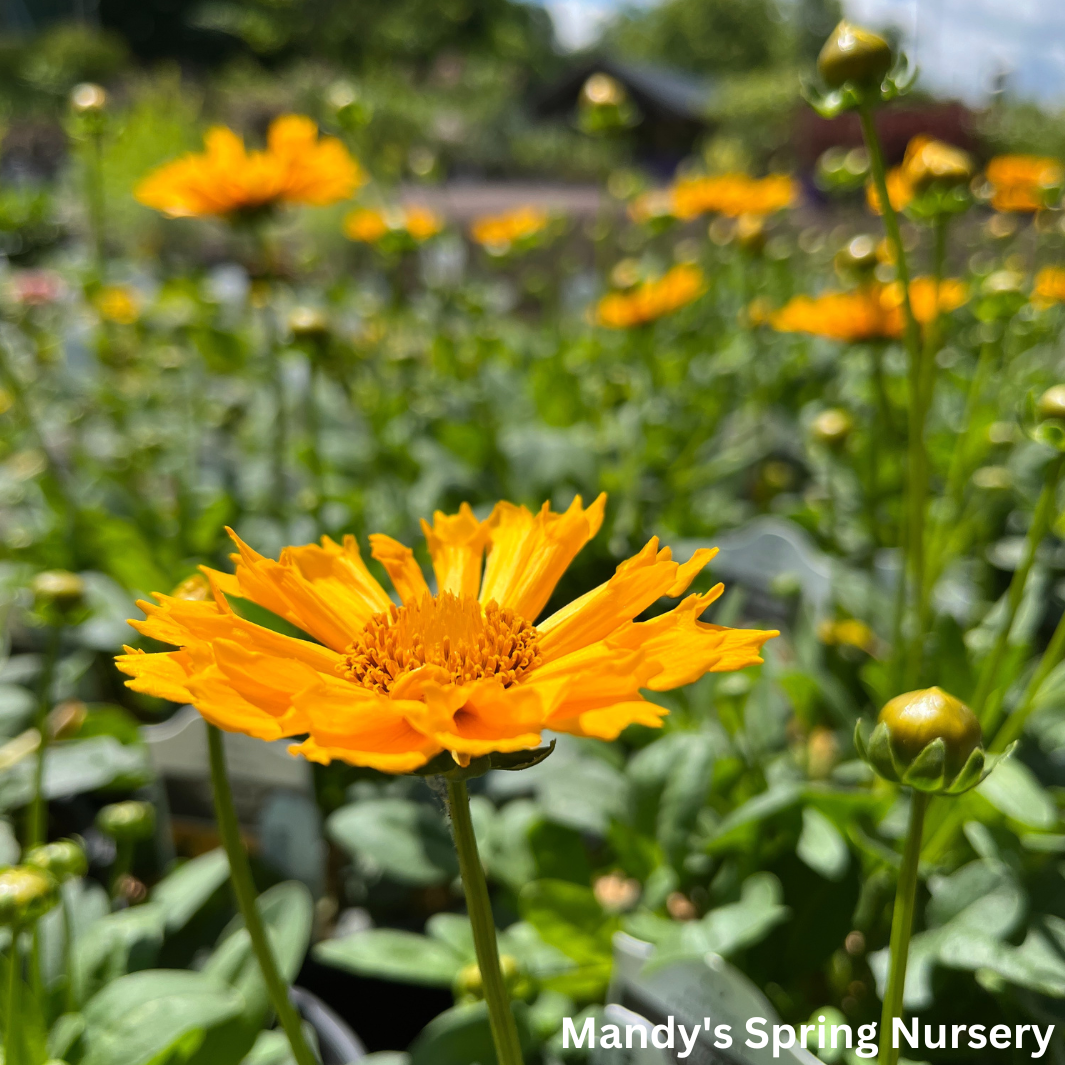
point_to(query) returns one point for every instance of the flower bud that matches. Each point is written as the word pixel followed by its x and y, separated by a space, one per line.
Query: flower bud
pixel 1051 403
pixel 853 54
pixel 750 232
pixel 26 894
pixel 194 589
pixel 58 591
pixel 308 322
pixel 88 98
pixel 127 822
pixel 928 740
pixel 65 859
pixel 858 256
pixel 832 427
pixel 469 984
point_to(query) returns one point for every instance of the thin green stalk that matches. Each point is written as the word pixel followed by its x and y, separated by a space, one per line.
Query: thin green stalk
pixel 901 926
pixel 37 819
pixel 96 196
pixel 12 1041
pixel 914 539
pixel 1041 519
pixel 123 863
pixel 500 1017
pixel 314 434
pixel 279 434
pixel 244 890
pixel 926 393
pixel 69 998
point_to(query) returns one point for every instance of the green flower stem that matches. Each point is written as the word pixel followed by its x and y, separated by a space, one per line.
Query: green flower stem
pixel 982 704
pixel 123 863
pixel 95 195
pixel 923 587
pixel 71 1002
pixel 37 818
pixel 12 1040
pixel 244 890
pixel 504 1030
pixel 901 926
pixel 917 459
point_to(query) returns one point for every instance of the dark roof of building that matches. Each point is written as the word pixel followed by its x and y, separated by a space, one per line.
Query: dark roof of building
pixel 654 89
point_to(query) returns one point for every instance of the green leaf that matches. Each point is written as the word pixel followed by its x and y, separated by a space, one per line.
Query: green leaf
pixel 184 892
pixel 116 944
pixel 408 841
pixel 735 826
pixel 685 793
pixel 821 846
pixel 569 918
pixel 393 954
pixel 1014 791
pixel 559 853
pixel 461 1035
pixel 151 1017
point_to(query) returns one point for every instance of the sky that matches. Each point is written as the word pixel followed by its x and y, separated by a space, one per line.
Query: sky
pixel 961 46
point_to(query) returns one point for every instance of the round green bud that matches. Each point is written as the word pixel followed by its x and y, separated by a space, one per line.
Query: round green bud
pixel 58 588
pixel 308 322
pixel 832 427
pixel 1051 403
pixel 65 859
pixel 127 822
pixel 918 718
pixel 469 985
pixel 26 894
pixel 853 54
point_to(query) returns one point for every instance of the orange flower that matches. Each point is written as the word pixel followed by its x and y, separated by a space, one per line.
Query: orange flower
pixel 468 669
pixel 497 234
pixel 1049 286
pixel 927 162
pixel 118 303
pixel 868 313
pixel 296 167
pixel 1022 183
pixel 733 195
pixel 652 299
pixel 369 226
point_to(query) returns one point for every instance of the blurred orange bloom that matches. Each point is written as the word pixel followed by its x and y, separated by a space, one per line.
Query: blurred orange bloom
pixel 652 299
pixel 297 167
pixel 868 313
pixel 1021 183
pixel 497 234
pixel 899 191
pixel 467 670
pixel 1049 286
pixel 118 303
pixel 926 161
pixel 733 195
pixel 369 226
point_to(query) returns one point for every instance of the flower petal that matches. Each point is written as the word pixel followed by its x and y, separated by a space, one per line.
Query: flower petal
pixel 638 582
pixel 214 697
pixel 684 648
pixel 362 727
pixel 528 554
pixel 489 717
pixel 402 567
pixel 456 545
pixel 608 722
pixel 163 675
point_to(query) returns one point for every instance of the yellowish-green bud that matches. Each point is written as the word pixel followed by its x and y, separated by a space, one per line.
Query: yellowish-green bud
pixel 64 859
pixel 469 985
pixel 928 740
pixel 858 256
pixel 1051 403
pixel 88 98
pixel 853 54
pixel 58 589
pixel 308 322
pixel 26 894
pixel 127 822
pixel 832 427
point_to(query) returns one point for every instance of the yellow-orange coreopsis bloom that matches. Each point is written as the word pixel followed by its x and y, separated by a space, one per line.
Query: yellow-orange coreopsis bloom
pixel 927 161
pixel 118 303
pixel 1021 183
pixel 369 226
pixel 652 299
pixel 733 195
pixel 497 234
pixel 1049 286
pixel 468 669
pixel 867 313
pixel 297 167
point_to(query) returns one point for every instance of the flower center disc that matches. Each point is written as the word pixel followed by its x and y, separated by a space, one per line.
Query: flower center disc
pixel 448 631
